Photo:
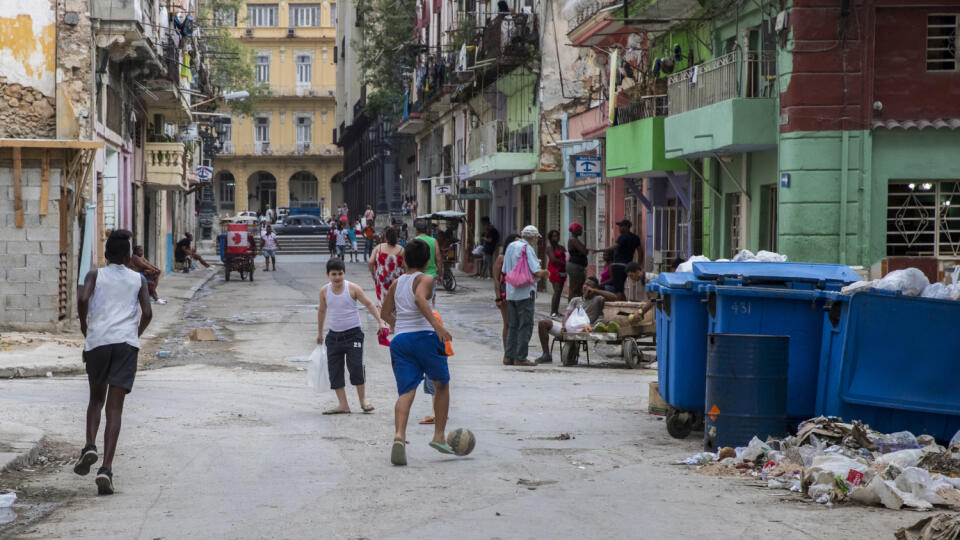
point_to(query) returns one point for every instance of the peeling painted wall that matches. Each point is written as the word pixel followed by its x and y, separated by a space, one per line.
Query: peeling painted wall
pixel 28 55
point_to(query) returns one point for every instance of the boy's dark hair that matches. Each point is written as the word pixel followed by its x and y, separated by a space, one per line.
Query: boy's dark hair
pixel 593 279
pixel 509 240
pixel 117 248
pixel 336 264
pixel 417 254
pixel 391 236
pixel 633 267
pixel 421 225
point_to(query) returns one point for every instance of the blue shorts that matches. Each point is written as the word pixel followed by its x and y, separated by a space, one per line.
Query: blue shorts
pixel 416 354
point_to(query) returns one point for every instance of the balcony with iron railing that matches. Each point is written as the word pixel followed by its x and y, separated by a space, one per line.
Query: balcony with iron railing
pixel 640 108
pixel 497 150
pixel 635 141
pixel 726 105
pixel 303 90
pixel 273 149
pixel 586 9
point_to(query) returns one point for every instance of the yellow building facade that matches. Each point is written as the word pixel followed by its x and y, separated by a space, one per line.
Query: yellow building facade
pixel 284 155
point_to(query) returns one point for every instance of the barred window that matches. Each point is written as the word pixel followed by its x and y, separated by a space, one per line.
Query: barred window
pixel 922 220
pixel 942 42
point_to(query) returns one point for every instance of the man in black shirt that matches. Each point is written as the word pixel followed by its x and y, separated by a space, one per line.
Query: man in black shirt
pixel 623 251
pixel 490 240
pixel 182 253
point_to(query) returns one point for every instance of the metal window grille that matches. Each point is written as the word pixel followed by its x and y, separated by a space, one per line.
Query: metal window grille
pixel 942 42
pixel 304 15
pixel 734 202
pixel 262 14
pixel 923 218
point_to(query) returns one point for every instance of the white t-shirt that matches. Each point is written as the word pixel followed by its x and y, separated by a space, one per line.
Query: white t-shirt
pixel 270 241
pixel 342 236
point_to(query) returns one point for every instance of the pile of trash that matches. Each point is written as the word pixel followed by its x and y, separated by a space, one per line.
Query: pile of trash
pixel 832 461
pixel 911 282
pixel 744 256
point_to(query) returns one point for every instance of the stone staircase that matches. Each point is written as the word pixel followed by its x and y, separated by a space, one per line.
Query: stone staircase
pixel 302 245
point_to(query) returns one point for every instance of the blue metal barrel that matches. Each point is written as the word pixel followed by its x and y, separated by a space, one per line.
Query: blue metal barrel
pixel 746 389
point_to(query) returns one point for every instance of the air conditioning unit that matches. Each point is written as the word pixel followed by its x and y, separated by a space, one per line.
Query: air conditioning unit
pixel 248 32
pixel 291 33
pixel 313 92
pixel 331 93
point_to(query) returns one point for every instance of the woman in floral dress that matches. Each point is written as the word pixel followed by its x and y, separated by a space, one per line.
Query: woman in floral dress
pixel 386 263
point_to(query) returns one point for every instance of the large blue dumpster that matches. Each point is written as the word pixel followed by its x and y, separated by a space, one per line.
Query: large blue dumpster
pixel 681 339
pixel 891 361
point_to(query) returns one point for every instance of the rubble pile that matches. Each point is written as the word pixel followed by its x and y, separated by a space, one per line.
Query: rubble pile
pixel 832 461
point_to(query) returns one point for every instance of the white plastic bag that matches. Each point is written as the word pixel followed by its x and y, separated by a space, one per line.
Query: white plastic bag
pixel 318 377
pixel 769 256
pixel 577 320
pixel 477 251
pixel 687 266
pixel 911 281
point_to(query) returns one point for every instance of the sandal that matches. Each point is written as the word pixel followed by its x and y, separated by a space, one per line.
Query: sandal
pixel 367 408
pixel 443 448
pixel 428 420
pixel 398 454
pixel 335 411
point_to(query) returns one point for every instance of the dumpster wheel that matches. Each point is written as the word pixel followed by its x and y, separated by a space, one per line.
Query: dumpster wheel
pixel 631 353
pixel 679 423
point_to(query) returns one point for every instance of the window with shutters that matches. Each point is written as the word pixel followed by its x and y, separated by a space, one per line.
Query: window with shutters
pixel 942 42
pixel 304 69
pixel 262 14
pixel 262 68
pixel 226 17
pixel 304 15
pixel 303 133
pixel 261 135
pixel 333 13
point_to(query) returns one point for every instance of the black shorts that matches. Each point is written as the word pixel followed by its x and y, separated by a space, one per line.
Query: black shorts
pixel 345 348
pixel 114 364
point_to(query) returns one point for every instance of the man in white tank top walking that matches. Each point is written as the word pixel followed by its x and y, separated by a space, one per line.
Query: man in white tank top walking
pixel 338 309
pixel 417 348
pixel 107 304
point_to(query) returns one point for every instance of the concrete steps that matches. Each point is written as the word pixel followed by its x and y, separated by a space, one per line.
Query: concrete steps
pixel 302 245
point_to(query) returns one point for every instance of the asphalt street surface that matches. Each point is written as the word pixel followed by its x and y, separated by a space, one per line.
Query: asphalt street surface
pixel 224 440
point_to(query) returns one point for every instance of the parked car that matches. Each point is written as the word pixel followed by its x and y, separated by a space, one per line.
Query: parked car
pixel 301 225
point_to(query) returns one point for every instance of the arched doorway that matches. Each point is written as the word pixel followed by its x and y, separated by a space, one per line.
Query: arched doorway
pixel 261 192
pixel 225 192
pixel 304 190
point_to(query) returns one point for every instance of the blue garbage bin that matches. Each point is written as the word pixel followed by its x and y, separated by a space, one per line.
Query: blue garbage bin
pixel 785 275
pixel 890 360
pixel 681 319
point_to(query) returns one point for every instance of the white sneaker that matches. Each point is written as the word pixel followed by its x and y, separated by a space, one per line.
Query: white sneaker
pixel 161 301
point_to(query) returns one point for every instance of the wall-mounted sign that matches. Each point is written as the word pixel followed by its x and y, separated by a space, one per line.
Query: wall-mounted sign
pixel 443 189
pixel 204 172
pixel 785 180
pixel 587 167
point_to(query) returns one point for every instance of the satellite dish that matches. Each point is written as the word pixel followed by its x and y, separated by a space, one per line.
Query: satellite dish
pixel 600 60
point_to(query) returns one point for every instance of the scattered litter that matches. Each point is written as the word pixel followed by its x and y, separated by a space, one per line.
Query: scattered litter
pixel 832 461
pixel 49 374
pixel 202 334
pixel 939 527
pixel 164 354
pixel 560 437
pixel 535 483
pixel 7 499
pixel 909 281
pixel 687 266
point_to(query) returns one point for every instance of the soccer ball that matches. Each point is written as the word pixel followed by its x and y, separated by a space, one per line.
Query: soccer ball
pixel 461 441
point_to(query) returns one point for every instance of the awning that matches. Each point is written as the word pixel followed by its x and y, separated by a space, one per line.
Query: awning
pixel 538 177
pixel 581 193
pixel 472 194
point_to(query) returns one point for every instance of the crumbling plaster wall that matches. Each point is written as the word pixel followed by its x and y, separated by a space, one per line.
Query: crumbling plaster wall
pixel 75 65
pixel 28 43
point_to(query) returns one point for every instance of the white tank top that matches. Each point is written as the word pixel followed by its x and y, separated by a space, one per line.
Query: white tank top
pixel 409 318
pixel 114 313
pixel 342 313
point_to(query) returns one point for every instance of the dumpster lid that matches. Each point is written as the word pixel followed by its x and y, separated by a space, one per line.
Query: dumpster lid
pixel 677 280
pixel 776 271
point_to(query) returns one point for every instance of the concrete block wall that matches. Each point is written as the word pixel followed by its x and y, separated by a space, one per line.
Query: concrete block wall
pixel 29 256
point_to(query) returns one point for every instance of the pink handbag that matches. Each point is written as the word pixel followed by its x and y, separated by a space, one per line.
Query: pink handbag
pixel 520 275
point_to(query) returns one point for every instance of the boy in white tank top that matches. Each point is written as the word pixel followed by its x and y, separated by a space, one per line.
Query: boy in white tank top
pixel 417 349
pixel 114 308
pixel 338 309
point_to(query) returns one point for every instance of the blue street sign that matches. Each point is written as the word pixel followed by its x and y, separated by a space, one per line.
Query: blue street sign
pixel 587 167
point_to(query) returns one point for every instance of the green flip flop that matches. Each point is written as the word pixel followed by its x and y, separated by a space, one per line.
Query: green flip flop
pixel 442 448
pixel 398 454
pixel 335 411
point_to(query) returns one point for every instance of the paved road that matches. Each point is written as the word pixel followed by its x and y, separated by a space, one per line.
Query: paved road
pixel 224 440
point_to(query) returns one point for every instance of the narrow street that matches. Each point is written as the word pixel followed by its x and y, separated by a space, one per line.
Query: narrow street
pixel 224 439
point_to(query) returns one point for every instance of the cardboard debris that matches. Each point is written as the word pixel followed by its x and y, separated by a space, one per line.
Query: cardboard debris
pixel 939 527
pixel 202 334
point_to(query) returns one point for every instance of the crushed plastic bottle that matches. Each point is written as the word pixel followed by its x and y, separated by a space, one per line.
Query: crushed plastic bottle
pixel 7 499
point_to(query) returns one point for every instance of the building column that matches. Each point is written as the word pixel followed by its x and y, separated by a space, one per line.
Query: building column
pixel 239 192
pixel 283 188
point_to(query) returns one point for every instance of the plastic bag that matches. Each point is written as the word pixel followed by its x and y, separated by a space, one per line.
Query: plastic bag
pixel 910 281
pixel 935 290
pixel 955 439
pixel 520 275
pixel 318 376
pixel 477 251
pixel 744 256
pixel 577 320
pixel 769 256
pixel 688 265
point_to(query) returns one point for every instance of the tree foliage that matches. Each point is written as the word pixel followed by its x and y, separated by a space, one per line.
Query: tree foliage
pixel 385 50
pixel 231 67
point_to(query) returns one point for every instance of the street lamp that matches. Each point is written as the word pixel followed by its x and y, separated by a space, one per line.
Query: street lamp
pixel 226 97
